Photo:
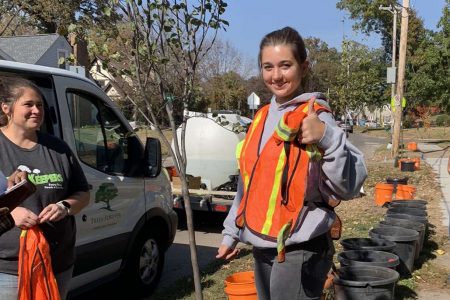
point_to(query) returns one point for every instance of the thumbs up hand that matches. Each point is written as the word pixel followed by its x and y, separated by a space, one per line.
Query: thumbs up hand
pixel 312 127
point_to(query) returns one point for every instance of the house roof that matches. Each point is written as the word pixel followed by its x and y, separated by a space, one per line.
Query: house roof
pixel 27 49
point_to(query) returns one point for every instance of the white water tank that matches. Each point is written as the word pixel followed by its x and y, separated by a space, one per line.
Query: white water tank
pixel 210 147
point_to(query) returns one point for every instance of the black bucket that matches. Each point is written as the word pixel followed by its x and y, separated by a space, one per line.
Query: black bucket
pixel 407 166
pixel 367 244
pixel 407 210
pixel 365 282
pixel 420 219
pixel 368 258
pixel 419 227
pixel 406 204
pixel 410 201
pixel 405 245
pixel 397 180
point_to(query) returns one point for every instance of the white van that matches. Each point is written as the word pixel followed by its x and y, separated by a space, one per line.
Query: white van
pixel 129 223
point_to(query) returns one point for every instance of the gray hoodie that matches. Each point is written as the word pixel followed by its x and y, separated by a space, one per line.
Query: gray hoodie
pixel 342 172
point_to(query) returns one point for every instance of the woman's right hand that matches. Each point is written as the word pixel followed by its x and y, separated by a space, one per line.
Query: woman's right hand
pixel 24 218
pixel 226 252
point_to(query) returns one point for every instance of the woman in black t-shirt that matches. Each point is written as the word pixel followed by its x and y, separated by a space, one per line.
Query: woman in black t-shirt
pixel 61 187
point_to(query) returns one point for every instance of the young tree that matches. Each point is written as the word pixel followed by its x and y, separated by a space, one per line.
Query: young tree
pixel 168 40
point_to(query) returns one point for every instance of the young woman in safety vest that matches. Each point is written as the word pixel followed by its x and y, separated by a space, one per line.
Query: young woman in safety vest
pixel 295 162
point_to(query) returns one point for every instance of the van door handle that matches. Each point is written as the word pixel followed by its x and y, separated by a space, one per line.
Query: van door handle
pixel 90 186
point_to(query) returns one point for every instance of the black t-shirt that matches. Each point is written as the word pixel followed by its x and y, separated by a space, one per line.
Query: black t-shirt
pixel 52 167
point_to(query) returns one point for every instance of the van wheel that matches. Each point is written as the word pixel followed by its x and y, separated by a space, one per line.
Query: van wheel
pixel 145 265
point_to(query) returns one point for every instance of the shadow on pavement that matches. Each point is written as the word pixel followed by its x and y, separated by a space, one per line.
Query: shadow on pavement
pixel 210 222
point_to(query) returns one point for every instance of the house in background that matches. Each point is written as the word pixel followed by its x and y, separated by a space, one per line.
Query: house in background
pixel 42 49
pixel 106 81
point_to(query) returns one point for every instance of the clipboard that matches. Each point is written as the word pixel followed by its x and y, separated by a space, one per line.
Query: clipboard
pixel 15 195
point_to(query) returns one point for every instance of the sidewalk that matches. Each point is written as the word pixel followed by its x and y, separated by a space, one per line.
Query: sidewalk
pixel 439 165
pixel 438 160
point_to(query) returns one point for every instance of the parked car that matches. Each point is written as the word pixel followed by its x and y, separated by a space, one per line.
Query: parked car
pixel 346 125
pixel 372 124
pixel 130 222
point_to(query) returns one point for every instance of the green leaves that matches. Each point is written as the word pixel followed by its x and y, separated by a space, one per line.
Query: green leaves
pixel 428 59
pixel 155 45
pixel 107 11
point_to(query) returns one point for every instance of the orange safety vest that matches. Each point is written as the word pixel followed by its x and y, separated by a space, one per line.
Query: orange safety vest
pixel 275 180
pixel 36 278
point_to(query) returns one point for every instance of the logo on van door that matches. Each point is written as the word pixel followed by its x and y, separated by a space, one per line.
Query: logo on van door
pixel 106 192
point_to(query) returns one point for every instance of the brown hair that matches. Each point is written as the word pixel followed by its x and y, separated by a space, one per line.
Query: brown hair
pixel 11 89
pixel 285 36
pixel 289 37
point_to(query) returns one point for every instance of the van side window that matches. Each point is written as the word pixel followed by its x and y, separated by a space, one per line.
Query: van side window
pixel 102 141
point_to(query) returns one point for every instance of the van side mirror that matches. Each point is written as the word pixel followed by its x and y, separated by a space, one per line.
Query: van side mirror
pixel 152 157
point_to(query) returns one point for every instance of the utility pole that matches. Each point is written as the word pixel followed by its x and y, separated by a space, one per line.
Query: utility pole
pixel 394 10
pixel 400 80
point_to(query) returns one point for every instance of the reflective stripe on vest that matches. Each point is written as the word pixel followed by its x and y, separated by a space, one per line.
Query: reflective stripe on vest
pixel 274 193
pixel 36 278
pixel 274 177
pixel 242 146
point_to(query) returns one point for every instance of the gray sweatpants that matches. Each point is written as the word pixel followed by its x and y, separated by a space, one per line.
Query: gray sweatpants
pixel 301 276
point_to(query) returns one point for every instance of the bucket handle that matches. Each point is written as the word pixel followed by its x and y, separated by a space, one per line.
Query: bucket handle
pixel 394 191
pixel 369 292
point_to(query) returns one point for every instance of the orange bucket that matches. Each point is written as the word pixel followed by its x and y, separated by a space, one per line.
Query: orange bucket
pixel 241 286
pixel 405 192
pixel 412 146
pixel 416 162
pixel 383 193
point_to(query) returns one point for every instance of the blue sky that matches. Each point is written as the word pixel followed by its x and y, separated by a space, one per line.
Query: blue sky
pixel 250 20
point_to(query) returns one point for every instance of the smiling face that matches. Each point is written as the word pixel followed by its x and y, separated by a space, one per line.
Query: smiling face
pixel 281 72
pixel 27 112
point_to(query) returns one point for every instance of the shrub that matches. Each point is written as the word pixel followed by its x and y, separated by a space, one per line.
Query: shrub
pixel 443 120
pixel 407 122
